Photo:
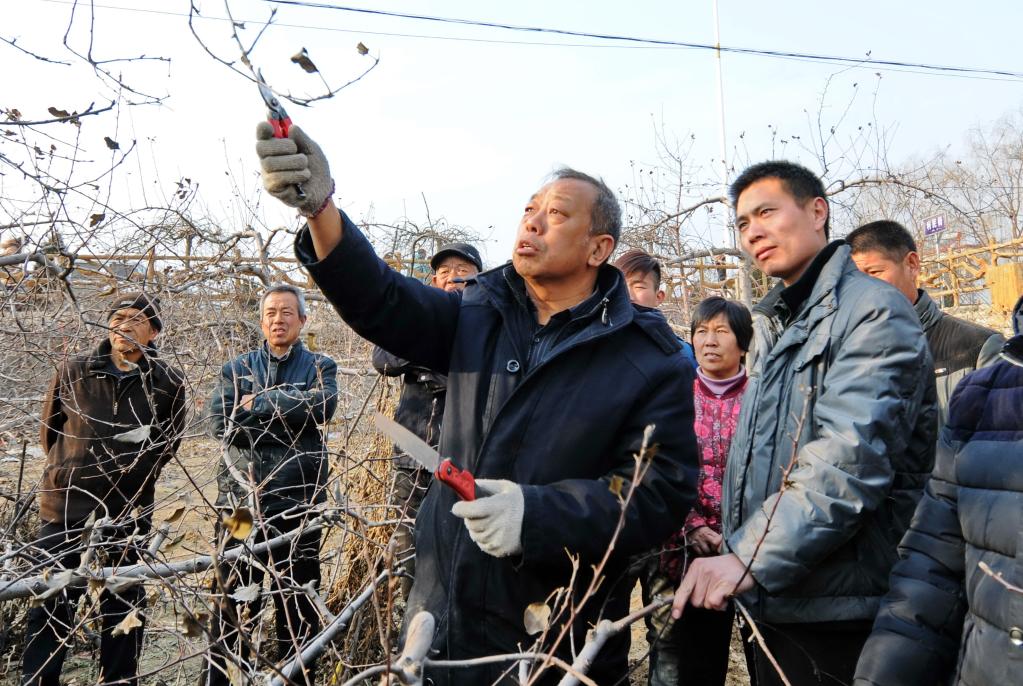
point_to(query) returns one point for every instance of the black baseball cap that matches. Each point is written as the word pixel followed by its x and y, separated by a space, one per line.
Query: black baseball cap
pixel 462 250
pixel 148 305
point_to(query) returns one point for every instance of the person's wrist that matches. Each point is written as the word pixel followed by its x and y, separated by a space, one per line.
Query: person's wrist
pixel 323 206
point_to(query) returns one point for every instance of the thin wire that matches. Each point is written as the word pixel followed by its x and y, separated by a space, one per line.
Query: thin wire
pixel 649 41
pixel 637 43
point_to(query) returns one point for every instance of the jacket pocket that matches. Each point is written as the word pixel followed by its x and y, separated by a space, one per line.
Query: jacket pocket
pixel 813 351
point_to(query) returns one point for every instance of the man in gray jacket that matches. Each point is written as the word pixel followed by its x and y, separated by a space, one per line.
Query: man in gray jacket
pixel 834 442
pixel 886 250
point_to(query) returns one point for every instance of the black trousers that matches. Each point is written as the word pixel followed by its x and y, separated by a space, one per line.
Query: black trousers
pixel 407 493
pixel 49 626
pixel 295 617
pixel 812 653
pixel 690 651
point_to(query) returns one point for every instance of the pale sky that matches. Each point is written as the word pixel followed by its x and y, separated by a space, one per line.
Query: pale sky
pixel 475 124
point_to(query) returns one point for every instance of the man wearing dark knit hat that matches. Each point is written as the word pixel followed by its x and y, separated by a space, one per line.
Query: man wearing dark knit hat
pixel 111 419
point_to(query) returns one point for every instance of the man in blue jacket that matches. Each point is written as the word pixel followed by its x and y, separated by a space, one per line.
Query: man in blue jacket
pixel 268 409
pixel 553 379
pixel 954 614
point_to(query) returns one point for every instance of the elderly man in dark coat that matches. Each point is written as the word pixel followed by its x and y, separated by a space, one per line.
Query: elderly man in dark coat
pixel 553 380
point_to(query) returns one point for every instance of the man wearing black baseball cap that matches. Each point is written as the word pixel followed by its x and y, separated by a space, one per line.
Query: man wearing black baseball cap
pixel 453 264
pixel 421 404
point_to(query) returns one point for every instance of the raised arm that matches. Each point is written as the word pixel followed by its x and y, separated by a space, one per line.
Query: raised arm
pixel 398 313
pixel 401 314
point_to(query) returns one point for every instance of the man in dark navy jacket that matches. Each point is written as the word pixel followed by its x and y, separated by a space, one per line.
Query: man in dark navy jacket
pixel 553 379
pixel 269 409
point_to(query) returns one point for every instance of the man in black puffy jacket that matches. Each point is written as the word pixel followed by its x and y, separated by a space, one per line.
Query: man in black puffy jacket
pixel 268 409
pixel 553 380
pixel 954 614
pixel 421 404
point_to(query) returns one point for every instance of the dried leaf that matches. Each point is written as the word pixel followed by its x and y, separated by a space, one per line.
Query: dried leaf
pixel 58 113
pixel 111 143
pixel 239 523
pixel 247 594
pixel 125 626
pixel 617 482
pixel 178 513
pixel 361 48
pixel 14 114
pixel 537 618
pixel 192 625
pixel 56 583
pixel 301 58
pixel 173 545
pixel 96 219
pixel 136 435
pixel 116 584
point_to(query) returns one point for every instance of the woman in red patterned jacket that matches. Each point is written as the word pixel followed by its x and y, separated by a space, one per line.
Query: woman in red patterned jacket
pixel 695 649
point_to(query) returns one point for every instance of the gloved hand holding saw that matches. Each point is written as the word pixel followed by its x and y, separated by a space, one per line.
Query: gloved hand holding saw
pixel 294 169
pixel 494 521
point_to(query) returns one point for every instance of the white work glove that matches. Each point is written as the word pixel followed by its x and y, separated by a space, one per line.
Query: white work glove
pixel 289 162
pixel 494 521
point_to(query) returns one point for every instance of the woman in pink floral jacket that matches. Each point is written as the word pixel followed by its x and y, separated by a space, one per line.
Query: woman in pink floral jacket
pixel 695 649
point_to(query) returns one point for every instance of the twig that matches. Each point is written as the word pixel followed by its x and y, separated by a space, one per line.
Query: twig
pixel 760 640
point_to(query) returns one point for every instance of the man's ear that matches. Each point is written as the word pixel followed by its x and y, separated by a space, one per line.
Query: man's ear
pixel 912 262
pixel 661 295
pixel 820 209
pixel 601 247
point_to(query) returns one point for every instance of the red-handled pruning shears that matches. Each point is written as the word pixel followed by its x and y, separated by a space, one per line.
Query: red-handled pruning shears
pixel 278 118
pixel 460 480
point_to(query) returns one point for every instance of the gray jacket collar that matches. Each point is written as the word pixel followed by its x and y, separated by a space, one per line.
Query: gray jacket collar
pixel 836 266
pixel 928 311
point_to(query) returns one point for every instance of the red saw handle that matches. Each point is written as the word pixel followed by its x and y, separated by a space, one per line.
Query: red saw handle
pixel 459 480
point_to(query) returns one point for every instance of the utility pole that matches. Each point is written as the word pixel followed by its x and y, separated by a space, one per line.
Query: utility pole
pixel 745 285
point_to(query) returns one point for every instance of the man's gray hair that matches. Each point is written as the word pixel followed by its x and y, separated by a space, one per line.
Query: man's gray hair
pixel 284 288
pixel 607 214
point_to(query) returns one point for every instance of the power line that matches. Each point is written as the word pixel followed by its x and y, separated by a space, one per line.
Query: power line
pixel 968 73
pixel 654 41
